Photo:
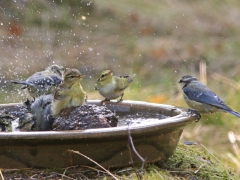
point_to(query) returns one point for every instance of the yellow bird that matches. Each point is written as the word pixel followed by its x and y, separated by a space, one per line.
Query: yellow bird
pixel 70 93
pixel 112 87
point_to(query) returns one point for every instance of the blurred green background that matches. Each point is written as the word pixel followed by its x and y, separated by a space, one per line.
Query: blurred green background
pixel 160 41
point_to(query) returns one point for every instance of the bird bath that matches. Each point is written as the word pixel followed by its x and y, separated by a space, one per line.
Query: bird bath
pixel 156 139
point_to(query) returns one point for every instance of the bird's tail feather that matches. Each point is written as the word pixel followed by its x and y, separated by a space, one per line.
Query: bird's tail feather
pixel 129 79
pixel 235 113
pixel 22 82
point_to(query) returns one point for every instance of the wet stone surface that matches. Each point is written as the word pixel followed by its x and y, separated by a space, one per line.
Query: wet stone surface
pixel 85 117
pixel 6 121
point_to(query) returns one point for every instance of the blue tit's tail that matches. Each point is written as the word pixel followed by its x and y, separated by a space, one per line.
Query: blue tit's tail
pixel 234 113
pixel 24 83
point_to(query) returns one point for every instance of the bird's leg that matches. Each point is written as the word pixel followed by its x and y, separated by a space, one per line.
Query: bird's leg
pixel 192 112
pixel 101 102
pixel 121 99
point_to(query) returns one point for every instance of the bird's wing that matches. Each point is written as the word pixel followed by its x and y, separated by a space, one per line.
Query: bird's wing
pixel 42 102
pixel 43 80
pixel 39 81
pixel 59 94
pixel 207 97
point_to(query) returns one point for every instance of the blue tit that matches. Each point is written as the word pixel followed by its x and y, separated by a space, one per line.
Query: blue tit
pixel 41 109
pixel 26 122
pixel 42 83
pixel 112 87
pixel 39 116
pixel 199 97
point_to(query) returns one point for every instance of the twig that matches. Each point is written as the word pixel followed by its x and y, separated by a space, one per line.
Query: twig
pixel 92 168
pixel 232 139
pixel 134 150
pixel 65 170
pixel 203 71
pixel 226 80
pixel 199 169
pixel 130 154
pixel 1 174
pixel 9 170
pixel 213 155
pixel 158 173
pixel 64 176
pixel 124 170
pixel 234 159
pixel 77 152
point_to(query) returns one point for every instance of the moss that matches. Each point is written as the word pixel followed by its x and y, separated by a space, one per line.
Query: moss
pixel 192 162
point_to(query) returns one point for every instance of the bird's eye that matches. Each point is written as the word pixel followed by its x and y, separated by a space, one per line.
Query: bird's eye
pixel 103 75
pixel 71 77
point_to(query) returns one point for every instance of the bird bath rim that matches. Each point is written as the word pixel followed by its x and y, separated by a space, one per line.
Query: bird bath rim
pixel 181 118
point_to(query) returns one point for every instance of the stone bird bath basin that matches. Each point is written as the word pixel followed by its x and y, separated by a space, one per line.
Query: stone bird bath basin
pixel 154 141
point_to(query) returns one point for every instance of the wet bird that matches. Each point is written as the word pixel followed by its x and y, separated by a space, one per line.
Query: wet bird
pixel 70 93
pixel 43 82
pixel 26 122
pixel 112 87
pixel 199 97
pixel 38 115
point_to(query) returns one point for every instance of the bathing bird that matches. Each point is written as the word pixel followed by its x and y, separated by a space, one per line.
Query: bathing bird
pixel 70 93
pixel 43 82
pixel 112 87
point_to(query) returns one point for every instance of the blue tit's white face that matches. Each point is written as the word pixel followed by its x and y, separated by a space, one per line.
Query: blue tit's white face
pixel 185 80
pixel 57 69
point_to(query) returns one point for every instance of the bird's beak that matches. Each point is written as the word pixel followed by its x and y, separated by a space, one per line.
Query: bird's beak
pixel 80 76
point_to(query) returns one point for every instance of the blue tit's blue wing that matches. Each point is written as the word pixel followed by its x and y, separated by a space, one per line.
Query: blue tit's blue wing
pixel 41 81
pixel 207 97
